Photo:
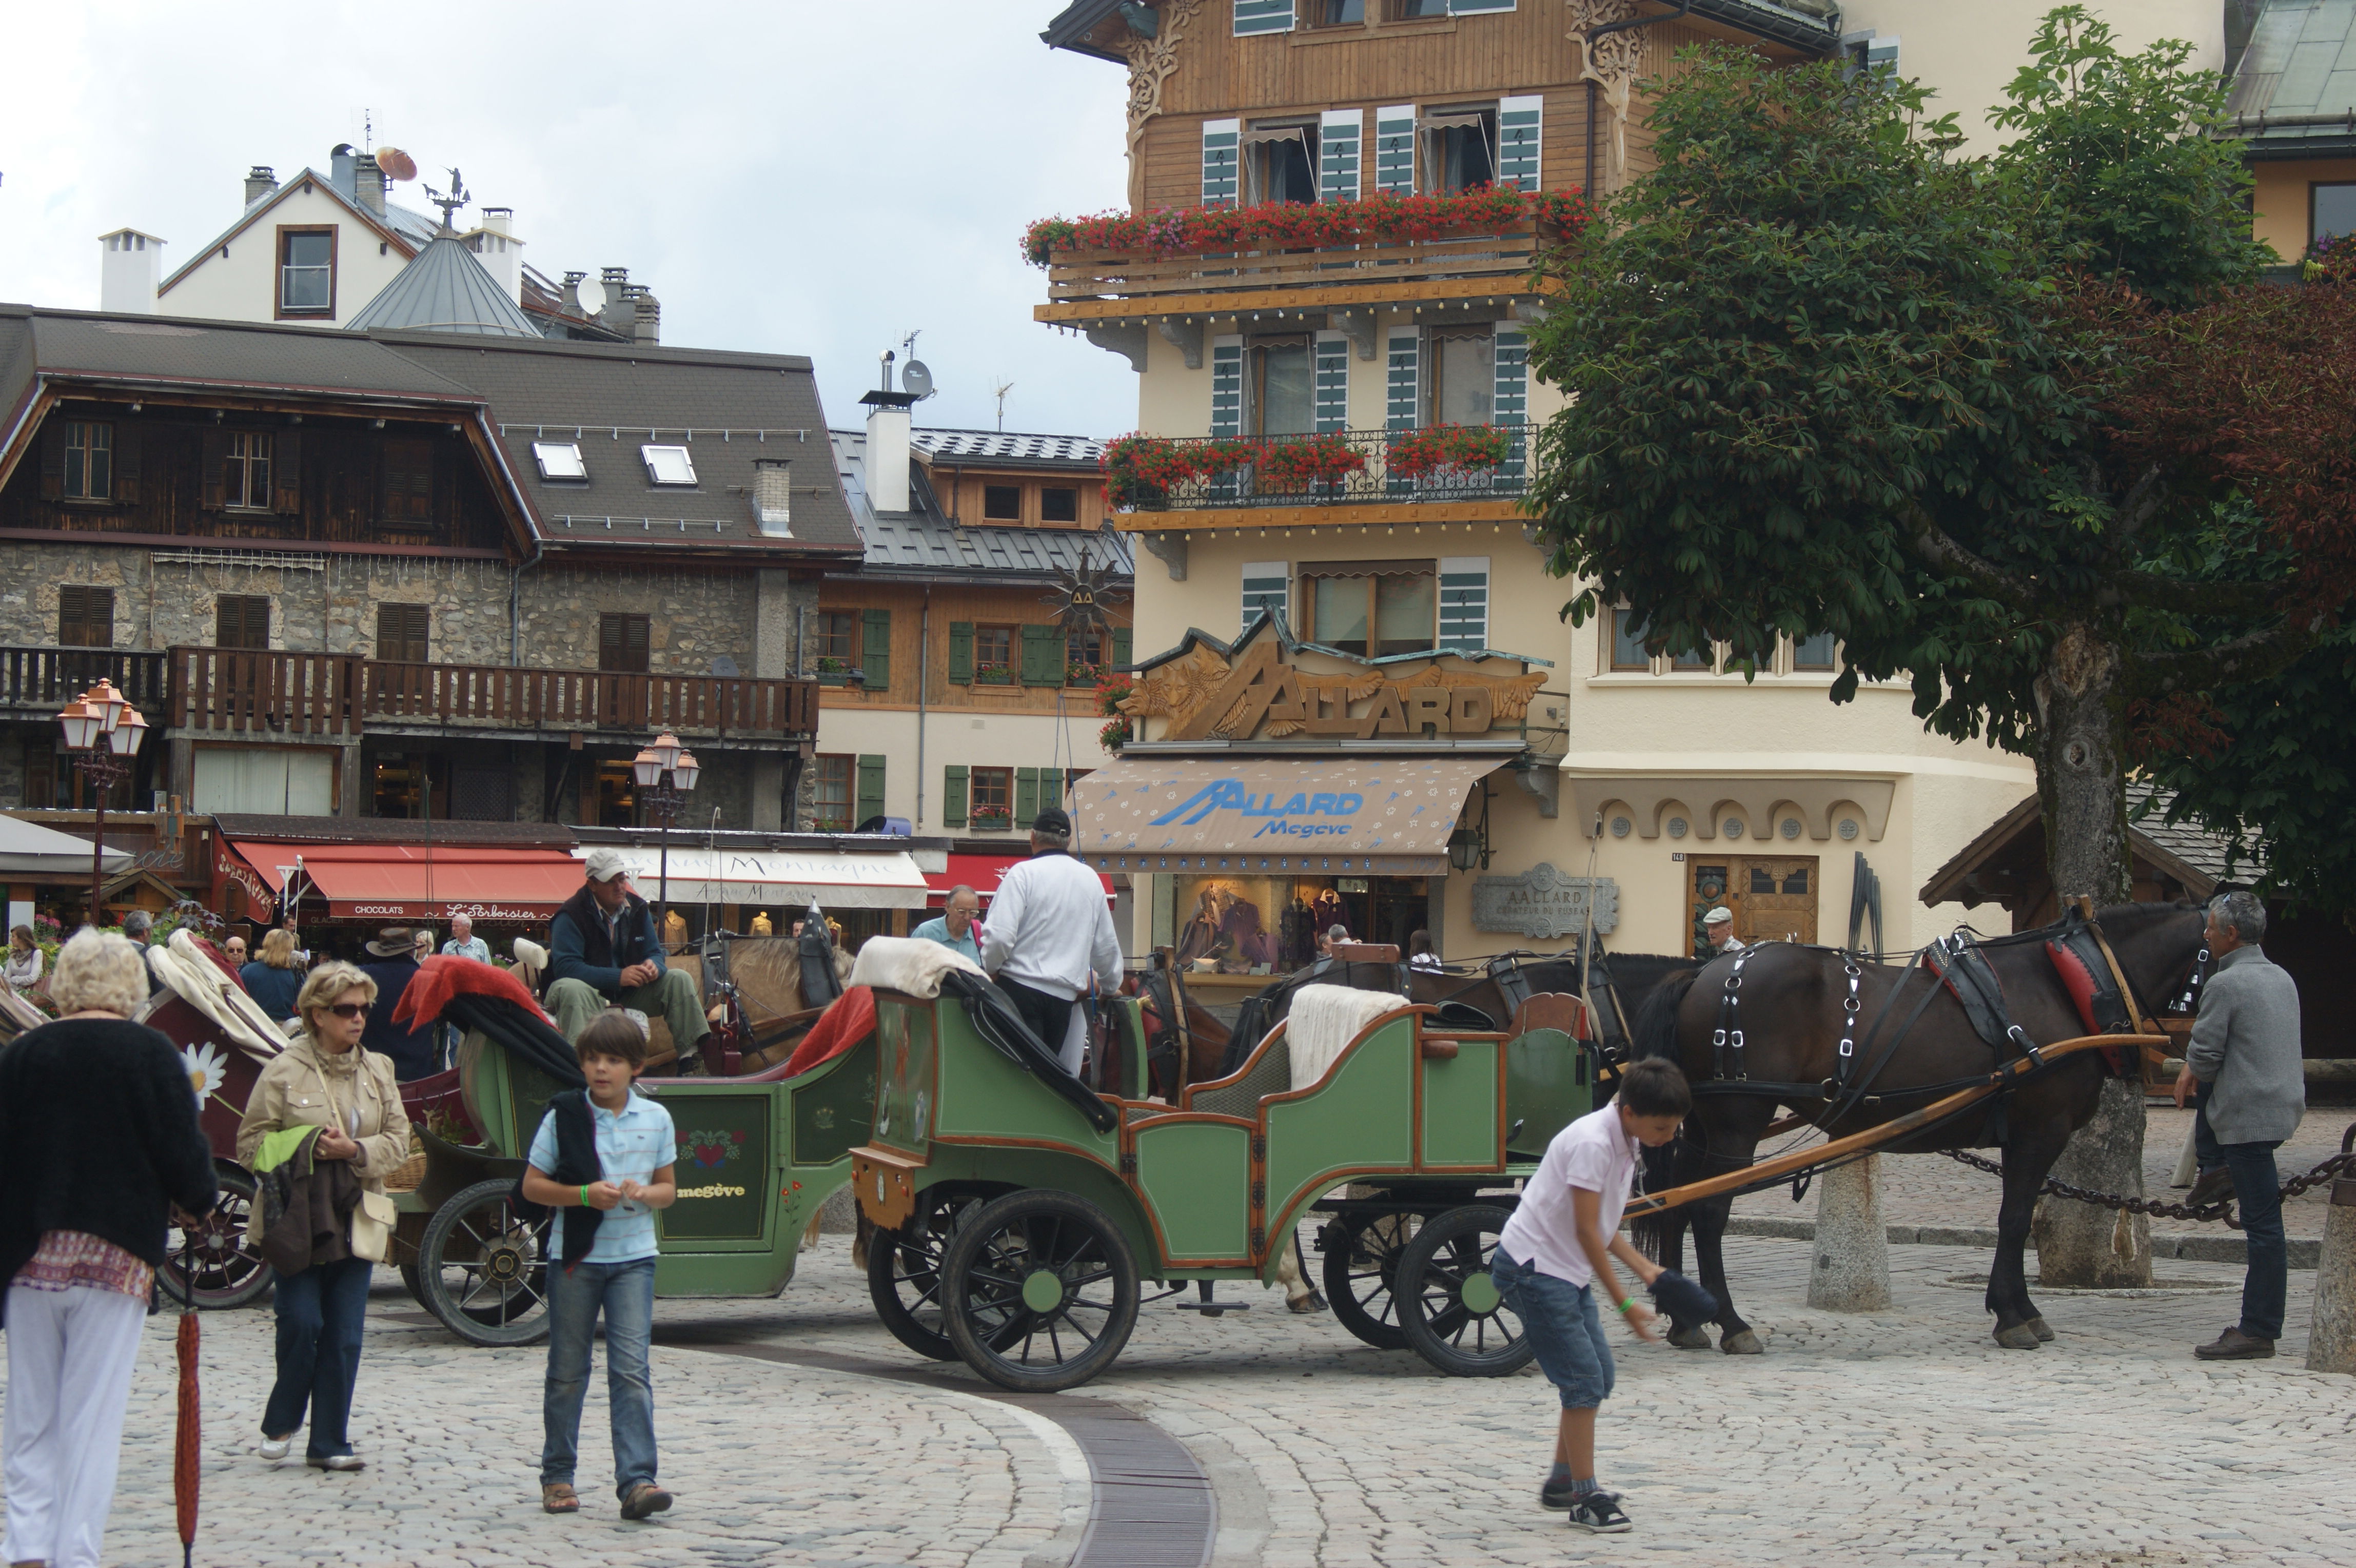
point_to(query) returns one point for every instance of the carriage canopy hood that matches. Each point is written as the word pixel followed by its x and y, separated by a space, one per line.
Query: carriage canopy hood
pixel 1386 816
pixel 848 879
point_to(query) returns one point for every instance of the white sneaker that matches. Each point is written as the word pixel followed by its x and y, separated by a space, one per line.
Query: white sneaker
pixel 276 1448
pixel 339 1462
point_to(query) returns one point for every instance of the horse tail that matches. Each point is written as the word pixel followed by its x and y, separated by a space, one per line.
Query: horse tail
pixel 1656 1020
pixel 1656 1234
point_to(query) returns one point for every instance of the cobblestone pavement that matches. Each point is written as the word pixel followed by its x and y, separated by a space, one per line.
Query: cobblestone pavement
pixel 1898 1437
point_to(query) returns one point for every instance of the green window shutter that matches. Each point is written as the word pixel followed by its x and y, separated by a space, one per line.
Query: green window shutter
pixel 1340 133
pixel 1220 161
pixel 1026 795
pixel 1228 386
pixel 1510 405
pixel 1403 404
pixel 876 650
pixel 1120 647
pixel 1268 585
pixel 961 652
pixel 1518 123
pixel 953 795
pixel 1463 8
pixel 1043 656
pixel 870 789
pixel 1464 602
pixel 1394 150
pixel 1333 381
pixel 1263 16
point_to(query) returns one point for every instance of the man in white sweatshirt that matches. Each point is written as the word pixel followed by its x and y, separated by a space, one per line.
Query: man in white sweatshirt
pixel 1049 937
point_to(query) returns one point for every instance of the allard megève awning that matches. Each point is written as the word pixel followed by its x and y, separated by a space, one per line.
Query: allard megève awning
pixel 1358 816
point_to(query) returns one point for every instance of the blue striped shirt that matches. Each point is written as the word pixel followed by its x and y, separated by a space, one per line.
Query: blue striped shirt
pixel 631 1147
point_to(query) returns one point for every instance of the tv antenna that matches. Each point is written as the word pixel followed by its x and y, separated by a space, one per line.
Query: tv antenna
pixel 450 203
pixel 1000 392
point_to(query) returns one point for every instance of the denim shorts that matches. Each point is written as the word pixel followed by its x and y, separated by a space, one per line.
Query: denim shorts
pixel 1564 1329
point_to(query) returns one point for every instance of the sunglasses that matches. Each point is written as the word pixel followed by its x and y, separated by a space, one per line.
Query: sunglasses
pixel 347 1009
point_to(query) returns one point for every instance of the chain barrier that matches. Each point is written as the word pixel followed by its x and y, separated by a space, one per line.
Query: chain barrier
pixel 2341 1164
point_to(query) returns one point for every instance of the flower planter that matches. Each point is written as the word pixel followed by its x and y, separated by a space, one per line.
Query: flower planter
pixel 1380 219
pixel 987 675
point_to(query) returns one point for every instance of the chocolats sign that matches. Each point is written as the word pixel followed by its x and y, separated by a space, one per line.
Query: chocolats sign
pixel 1543 902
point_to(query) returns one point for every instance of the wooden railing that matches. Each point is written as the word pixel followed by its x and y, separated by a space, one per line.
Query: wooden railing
pixel 48 678
pixel 1117 274
pixel 217 689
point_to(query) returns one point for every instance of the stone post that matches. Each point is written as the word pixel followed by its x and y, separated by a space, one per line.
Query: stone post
pixel 2331 1344
pixel 1850 1271
pixel 2081 1246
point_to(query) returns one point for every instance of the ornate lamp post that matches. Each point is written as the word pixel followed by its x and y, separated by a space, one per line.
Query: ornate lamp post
pixel 103 733
pixel 666 775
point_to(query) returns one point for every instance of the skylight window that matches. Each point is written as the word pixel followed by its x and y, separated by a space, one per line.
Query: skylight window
pixel 559 460
pixel 668 465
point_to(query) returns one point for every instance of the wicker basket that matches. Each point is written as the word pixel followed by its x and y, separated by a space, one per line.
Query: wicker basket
pixel 412 1172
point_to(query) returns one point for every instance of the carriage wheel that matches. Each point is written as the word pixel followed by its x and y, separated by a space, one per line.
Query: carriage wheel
pixel 1448 1301
pixel 1039 1291
pixel 904 1274
pixel 482 1267
pixel 1361 1260
pixel 227 1270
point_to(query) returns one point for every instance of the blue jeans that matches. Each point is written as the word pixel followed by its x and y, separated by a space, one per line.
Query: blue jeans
pixel 321 1313
pixel 626 1292
pixel 1564 1328
pixel 2258 1195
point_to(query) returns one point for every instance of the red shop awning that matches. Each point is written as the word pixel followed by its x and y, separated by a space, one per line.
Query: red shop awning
pixel 412 882
pixel 982 873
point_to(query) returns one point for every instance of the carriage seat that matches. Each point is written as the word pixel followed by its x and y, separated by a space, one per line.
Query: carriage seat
pixel 1268 1071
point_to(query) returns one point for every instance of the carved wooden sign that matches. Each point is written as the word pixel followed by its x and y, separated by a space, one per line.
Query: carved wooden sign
pixel 1203 696
pixel 1543 902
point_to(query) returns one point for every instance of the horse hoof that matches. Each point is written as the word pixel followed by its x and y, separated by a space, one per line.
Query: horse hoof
pixel 1306 1304
pixel 2036 1326
pixel 1743 1344
pixel 1689 1339
pixel 2019 1337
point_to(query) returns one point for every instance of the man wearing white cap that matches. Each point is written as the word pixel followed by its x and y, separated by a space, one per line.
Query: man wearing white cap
pixel 1719 927
pixel 602 953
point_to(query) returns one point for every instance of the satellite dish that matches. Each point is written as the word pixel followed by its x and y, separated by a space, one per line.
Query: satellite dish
pixel 914 378
pixel 396 164
pixel 592 295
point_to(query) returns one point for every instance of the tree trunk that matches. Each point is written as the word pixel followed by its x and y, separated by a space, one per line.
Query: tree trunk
pixel 2081 782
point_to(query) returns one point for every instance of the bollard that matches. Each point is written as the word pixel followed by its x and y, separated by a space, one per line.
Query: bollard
pixel 2331 1343
pixel 1850 1271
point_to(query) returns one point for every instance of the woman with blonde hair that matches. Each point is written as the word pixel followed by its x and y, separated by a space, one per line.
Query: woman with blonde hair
pixel 325 1078
pixel 99 1147
pixel 272 978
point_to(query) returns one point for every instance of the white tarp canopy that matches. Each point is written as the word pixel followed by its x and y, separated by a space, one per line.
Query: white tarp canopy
pixel 31 853
pixel 853 879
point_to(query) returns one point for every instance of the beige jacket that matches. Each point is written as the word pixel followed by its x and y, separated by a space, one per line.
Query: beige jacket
pixel 297 1091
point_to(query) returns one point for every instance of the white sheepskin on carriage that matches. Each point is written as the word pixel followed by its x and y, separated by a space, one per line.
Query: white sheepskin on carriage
pixel 1324 1019
pixel 198 981
pixel 913 965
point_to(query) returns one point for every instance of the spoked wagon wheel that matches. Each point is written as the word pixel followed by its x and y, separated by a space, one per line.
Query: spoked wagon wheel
pixel 904 1274
pixel 1361 1259
pixel 227 1270
pixel 1448 1301
pixel 1039 1291
pixel 483 1268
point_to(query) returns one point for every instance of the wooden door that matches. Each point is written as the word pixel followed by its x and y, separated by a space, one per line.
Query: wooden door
pixel 1773 896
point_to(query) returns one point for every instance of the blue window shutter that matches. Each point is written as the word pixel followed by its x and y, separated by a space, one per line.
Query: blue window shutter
pixel 1512 401
pixel 1394 150
pixel 953 788
pixel 1333 408
pixel 1227 386
pixel 1267 585
pixel 1339 135
pixel 1871 57
pixel 1465 7
pixel 1263 16
pixel 1403 403
pixel 1518 126
pixel 1219 161
pixel 1464 602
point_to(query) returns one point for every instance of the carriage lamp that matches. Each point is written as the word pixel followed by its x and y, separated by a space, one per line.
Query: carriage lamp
pixel 102 734
pixel 1468 847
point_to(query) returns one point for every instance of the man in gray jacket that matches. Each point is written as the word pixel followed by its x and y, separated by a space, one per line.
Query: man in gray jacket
pixel 2246 1055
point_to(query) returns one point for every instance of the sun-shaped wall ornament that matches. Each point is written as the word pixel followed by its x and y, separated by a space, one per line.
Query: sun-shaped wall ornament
pixel 1081 595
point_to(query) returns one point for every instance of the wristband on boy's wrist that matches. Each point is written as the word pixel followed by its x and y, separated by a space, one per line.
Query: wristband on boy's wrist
pixel 1626 1304
pixel 584 1195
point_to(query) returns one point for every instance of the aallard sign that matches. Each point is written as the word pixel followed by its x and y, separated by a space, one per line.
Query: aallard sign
pixel 1205 697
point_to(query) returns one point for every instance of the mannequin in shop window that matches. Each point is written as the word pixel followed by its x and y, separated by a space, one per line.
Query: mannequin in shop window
pixel 1419 955
pixel 1296 935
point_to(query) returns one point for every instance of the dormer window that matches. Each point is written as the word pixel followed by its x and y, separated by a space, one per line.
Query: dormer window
pixel 562 460
pixel 668 465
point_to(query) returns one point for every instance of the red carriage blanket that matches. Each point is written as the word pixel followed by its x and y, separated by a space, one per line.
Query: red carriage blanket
pixel 851 1020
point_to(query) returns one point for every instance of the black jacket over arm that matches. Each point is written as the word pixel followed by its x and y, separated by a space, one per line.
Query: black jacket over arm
pixel 97 1133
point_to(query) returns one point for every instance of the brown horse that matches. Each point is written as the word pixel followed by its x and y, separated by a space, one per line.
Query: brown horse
pixel 1913 1041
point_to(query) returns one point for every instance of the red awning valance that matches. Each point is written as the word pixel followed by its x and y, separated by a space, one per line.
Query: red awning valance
pixel 412 882
pixel 982 873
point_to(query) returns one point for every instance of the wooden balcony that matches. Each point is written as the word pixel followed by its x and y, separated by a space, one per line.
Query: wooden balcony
pixel 1086 285
pixel 43 680
pixel 1434 474
pixel 220 690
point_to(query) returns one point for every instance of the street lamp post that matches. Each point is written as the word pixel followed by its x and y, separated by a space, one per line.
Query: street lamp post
pixel 102 732
pixel 666 775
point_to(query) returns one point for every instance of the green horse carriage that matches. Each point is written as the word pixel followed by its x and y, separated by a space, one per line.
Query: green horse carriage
pixel 1024 1212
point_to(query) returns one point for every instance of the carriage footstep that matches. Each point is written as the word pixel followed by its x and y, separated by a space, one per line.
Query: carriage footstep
pixel 1743 1344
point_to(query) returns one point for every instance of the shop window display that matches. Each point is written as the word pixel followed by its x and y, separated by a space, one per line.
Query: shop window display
pixel 1269 924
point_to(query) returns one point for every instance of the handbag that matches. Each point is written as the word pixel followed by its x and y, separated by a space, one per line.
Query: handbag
pixel 374 1219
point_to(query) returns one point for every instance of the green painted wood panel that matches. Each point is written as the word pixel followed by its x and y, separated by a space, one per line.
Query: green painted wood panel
pixel 984 1095
pixel 1195 1177
pixel 1363 1117
pixel 1460 1106
pixel 904 1040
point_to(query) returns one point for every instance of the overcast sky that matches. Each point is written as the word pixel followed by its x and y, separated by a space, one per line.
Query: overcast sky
pixel 787 177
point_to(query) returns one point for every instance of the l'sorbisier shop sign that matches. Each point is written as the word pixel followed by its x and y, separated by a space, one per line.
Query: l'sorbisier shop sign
pixel 1205 697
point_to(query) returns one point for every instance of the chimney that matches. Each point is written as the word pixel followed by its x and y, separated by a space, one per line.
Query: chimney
pixel 501 254
pixel 132 267
pixel 339 168
pixel 887 449
pixel 773 496
pixel 259 182
pixel 620 315
pixel 647 327
pixel 368 183
pixel 571 294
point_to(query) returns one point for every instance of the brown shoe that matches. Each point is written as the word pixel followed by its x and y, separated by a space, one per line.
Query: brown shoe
pixel 645 1498
pixel 2212 1187
pixel 2235 1346
pixel 559 1497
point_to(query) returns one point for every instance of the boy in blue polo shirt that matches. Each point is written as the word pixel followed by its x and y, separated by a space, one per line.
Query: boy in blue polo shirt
pixel 605 1155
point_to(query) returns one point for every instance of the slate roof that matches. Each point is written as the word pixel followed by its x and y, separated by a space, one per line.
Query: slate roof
pixel 1007 447
pixel 923 542
pixel 2295 89
pixel 445 289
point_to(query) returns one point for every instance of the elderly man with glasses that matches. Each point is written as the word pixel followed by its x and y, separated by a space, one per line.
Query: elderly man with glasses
pixel 958 926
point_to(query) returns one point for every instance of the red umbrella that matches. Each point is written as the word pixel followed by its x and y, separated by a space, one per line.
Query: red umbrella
pixel 189 1437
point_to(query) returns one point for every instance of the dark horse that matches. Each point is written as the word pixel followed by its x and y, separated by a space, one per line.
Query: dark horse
pixel 1791 1014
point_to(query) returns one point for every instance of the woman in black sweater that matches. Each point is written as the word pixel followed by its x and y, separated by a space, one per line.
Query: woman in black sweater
pixel 99 1143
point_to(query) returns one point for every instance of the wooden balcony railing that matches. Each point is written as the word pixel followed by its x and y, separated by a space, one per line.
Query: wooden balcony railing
pixel 1506 257
pixel 218 689
pixel 46 679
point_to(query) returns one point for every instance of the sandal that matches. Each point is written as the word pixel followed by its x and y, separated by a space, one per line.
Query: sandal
pixel 559 1497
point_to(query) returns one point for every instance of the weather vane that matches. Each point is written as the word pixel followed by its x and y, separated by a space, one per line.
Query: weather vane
pixel 452 202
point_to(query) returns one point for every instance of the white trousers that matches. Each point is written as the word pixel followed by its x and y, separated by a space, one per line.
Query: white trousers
pixel 70 1355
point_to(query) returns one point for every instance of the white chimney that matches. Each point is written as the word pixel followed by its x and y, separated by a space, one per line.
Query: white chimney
pixel 887 449
pixel 133 266
pixel 773 496
pixel 501 254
